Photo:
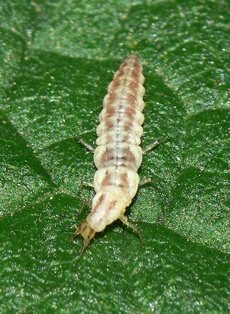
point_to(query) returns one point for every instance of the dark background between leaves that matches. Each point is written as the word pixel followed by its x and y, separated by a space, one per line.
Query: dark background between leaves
pixel 57 59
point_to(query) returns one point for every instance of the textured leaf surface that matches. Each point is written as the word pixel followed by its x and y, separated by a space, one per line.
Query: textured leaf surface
pixel 57 60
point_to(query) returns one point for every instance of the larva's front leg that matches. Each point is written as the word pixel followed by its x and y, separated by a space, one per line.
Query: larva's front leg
pixel 125 221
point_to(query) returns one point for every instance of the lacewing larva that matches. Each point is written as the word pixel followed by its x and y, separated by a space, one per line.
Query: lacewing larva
pixel 118 154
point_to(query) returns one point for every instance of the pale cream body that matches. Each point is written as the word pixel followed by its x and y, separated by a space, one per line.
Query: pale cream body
pixel 121 143
pixel 118 154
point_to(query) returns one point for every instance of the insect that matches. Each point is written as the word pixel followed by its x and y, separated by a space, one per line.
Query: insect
pixel 118 154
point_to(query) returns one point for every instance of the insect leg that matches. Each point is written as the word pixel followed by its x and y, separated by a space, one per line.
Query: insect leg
pixel 148 180
pixel 145 181
pixel 151 146
pixel 125 221
pixel 83 142
pixel 91 149
pixel 79 230
pixel 86 183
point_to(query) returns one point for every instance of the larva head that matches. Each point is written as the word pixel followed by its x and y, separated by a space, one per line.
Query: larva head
pixel 87 232
pixel 108 205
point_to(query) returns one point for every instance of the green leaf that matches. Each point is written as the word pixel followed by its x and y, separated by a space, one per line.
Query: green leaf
pixel 57 60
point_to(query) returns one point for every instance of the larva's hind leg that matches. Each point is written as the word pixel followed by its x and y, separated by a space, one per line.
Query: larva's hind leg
pixel 145 181
pixel 125 221
pixel 84 143
pixel 148 180
pixel 150 147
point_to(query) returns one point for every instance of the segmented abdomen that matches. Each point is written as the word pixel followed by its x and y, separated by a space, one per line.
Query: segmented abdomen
pixel 118 154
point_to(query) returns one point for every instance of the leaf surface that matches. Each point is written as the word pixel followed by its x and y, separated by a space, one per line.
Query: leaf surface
pixel 57 61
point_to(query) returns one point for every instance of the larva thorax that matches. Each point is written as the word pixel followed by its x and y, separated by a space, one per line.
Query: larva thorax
pixel 118 154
